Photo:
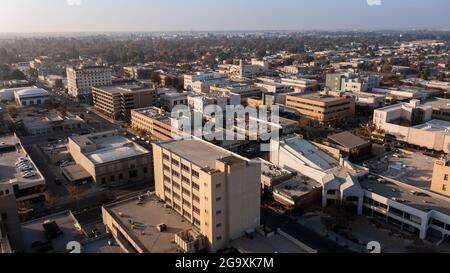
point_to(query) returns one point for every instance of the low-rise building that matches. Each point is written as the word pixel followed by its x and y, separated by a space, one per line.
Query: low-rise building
pixel 412 123
pixel 189 80
pixel 117 101
pixel 154 121
pixel 31 96
pixel 110 158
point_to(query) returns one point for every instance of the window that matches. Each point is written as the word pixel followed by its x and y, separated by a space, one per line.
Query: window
pixel 219 238
pixel 195 186
pixel 444 187
pixel 195 174
pixel 144 170
pixel 166 157
pixel 176 174
pixel 103 180
pixel 195 198
pixel 218 212
pixel 113 178
pixel 196 222
pixel 175 162
pixel 218 186
pixel 185 168
pixel 196 210
pixel 446 177
pixel 121 176
pixel 218 199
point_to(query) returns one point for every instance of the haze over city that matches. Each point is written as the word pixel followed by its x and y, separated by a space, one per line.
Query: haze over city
pixel 207 15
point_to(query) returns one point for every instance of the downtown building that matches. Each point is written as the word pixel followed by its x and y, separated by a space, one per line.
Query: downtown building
pixel 117 101
pixel 81 79
pixel 218 192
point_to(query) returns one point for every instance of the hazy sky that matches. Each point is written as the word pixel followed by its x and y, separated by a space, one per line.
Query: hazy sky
pixel 190 15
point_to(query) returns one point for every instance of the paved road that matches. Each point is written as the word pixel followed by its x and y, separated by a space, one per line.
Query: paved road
pixel 301 233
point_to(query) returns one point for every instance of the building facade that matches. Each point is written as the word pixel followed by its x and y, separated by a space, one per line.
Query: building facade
pixel 323 106
pixel 80 80
pixel 118 101
pixel 110 158
pixel 215 190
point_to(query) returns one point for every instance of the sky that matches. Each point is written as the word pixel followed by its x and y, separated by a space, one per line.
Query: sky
pixel 212 15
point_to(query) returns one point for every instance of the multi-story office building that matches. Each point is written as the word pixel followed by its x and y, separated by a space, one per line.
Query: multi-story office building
pixel 323 106
pixel 108 158
pixel 117 101
pixel 441 177
pixel 80 80
pixel 155 121
pixel 214 189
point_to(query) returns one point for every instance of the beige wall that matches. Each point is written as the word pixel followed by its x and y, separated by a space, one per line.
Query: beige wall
pixel 441 178
pixel 223 204
pixel 320 110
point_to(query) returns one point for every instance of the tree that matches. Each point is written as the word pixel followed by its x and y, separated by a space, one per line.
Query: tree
pixel 18 75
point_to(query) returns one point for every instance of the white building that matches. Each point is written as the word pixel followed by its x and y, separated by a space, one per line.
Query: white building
pixel 299 84
pixel 412 123
pixel 31 96
pixel 80 80
pixel 189 80
pixel 200 101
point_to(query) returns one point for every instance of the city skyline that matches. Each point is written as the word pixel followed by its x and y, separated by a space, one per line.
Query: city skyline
pixel 156 15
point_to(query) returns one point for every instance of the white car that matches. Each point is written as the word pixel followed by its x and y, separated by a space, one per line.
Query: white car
pixel 27 164
pixel 29 175
pixel 22 161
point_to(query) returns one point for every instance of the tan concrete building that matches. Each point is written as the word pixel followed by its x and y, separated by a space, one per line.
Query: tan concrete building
pixel 110 158
pixel 155 121
pixel 117 101
pixel 323 106
pixel 215 190
pixel 81 79
pixel 441 178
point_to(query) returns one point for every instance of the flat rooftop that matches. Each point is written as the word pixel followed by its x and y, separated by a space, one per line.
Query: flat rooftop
pixel 8 159
pixel 438 103
pixel 435 125
pixel 124 89
pixel 297 186
pixel 111 148
pixel 200 153
pixel 418 199
pixel 147 215
pixel 155 113
pixel 412 168
pixel 319 97
pixel 260 244
pixel 348 140
pixel 33 231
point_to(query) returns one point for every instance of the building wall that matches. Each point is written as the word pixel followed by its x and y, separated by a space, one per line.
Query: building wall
pixel 440 182
pixel 80 81
pixel 322 111
pixel 221 205
pixel 10 217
